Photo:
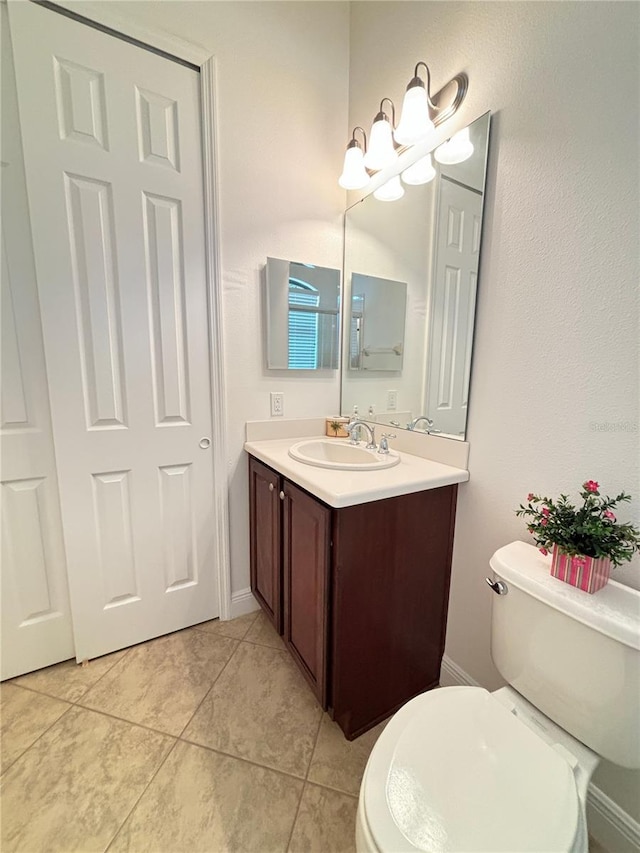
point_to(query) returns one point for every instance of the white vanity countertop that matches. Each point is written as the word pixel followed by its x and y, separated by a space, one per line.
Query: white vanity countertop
pixel 347 488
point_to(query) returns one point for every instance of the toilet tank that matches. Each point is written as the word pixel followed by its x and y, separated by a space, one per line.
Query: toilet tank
pixel 573 655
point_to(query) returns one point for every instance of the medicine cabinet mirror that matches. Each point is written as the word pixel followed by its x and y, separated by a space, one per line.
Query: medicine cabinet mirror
pixel 302 316
pixel 378 309
pixel 410 278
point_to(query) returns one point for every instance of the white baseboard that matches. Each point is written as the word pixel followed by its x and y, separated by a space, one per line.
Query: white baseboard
pixel 242 602
pixel 452 675
pixel 610 825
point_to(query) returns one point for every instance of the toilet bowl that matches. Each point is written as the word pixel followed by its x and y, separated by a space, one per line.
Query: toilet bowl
pixel 462 769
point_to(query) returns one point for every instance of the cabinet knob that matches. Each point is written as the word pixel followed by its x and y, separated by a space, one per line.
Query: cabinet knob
pixel 281 496
pixel 271 487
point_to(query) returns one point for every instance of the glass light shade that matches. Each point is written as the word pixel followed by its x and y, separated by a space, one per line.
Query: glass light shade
pixel 421 172
pixel 415 123
pixel 381 152
pixel 456 150
pixel 391 191
pixel 354 176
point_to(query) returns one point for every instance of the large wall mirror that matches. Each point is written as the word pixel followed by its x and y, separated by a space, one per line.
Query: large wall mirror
pixel 410 280
pixel 302 308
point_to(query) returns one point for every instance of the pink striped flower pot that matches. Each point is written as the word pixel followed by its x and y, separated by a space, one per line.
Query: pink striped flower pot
pixel 587 573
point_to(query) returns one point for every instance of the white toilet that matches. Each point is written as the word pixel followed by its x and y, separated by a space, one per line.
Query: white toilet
pixel 461 769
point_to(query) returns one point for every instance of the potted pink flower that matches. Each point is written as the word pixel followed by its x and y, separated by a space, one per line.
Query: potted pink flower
pixel 586 540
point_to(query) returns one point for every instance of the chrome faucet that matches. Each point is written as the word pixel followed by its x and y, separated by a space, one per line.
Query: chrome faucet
pixel 354 435
pixel 412 425
pixel 356 425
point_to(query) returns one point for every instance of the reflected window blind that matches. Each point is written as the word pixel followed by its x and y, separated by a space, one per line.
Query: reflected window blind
pixel 303 331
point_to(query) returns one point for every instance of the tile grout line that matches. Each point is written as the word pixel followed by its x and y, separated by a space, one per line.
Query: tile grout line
pixel 123 720
pixel 143 725
pixel 111 716
pixel 306 777
pixel 333 790
pixel 213 683
pixel 115 663
pixel 239 642
pixel 282 648
pixel 77 703
pixel 40 692
pixel 144 791
pixel 41 735
pixel 177 740
pixel 82 695
pixel 243 760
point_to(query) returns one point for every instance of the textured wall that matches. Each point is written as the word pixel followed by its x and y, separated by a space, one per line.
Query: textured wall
pixel 556 347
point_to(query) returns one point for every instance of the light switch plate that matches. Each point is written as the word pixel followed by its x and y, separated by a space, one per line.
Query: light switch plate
pixel 392 401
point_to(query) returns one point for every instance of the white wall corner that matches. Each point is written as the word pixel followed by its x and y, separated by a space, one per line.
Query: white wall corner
pixel 610 825
pixel 242 602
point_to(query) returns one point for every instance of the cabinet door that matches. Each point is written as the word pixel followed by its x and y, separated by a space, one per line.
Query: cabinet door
pixel 265 544
pixel 306 541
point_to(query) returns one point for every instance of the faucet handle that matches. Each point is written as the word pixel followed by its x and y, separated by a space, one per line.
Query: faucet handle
pixel 384 442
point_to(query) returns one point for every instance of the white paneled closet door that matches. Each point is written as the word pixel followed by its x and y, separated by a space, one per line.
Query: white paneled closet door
pixel 453 305
pixel 112 144
pixel 35 616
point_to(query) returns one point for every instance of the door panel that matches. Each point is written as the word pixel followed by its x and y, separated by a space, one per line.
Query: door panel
pixel 453 305
pixel 114 174
pixel 35 619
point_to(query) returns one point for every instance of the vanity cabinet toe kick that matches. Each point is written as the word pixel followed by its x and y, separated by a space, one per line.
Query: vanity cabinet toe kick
pixel 359 594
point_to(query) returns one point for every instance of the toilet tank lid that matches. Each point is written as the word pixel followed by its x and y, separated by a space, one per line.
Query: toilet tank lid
pixel 614 610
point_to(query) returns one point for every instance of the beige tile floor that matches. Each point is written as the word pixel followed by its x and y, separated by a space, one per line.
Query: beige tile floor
pixel 202 741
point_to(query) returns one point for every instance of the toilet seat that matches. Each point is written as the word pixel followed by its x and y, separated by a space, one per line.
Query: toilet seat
pixel 454 770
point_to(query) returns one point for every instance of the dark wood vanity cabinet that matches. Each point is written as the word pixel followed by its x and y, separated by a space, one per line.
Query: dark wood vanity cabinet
pixel 265 540
pixel 306 561
pixel 359 594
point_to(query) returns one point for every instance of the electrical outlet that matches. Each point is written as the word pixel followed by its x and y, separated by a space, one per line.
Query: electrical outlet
pixel 392 401
pixel 277 404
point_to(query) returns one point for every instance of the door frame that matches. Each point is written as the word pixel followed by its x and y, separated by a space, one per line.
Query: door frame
pixel 206 62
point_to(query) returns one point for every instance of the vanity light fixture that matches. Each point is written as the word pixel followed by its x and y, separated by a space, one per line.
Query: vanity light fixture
pixel 354 175
pixel 421 114
pixel 415 122
pixel 381 152
pixel 455 150
pixel 420 172
pixel 391 191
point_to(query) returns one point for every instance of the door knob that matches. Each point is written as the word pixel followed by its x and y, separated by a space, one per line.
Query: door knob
pixel 204 443
pixel 281 496
pixel 271 487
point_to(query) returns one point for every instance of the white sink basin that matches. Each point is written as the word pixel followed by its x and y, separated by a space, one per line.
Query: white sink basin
pixel 331 453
